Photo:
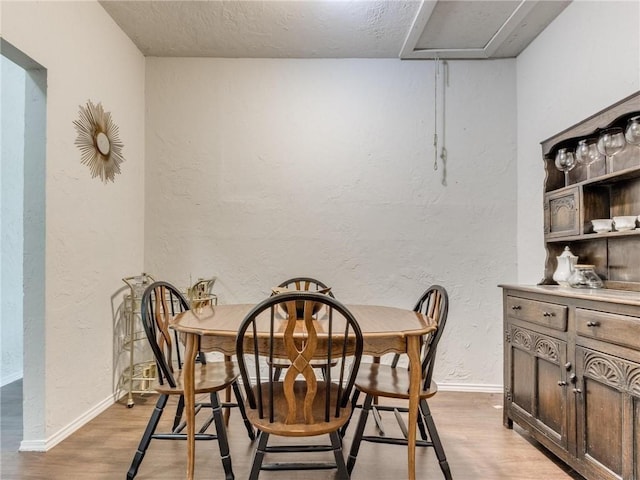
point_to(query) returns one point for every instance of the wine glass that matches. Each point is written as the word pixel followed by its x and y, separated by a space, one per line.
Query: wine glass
pixel 632 134
pixel 587 153
pixel 565 161
pixel 610 143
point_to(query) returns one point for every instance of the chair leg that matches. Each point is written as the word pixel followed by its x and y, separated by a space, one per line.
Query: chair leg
pixel 354 402
pixel 377 418
pixel 179 411
pixel 435 439
pixel 258 456
pixel 201 358
pixel 276 373
pixel 336 444
pixel 357 438
pixel 394 362
pixel 243 412
pixel 221 433
pixel 146 437
pixel 227 397
pixel 421 426
pixel 227 410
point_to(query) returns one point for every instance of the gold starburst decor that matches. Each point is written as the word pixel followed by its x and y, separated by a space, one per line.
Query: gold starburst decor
pixel 99 142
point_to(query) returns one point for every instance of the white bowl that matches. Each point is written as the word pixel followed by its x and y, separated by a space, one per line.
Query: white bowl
pixel 601 225
pixel 625 222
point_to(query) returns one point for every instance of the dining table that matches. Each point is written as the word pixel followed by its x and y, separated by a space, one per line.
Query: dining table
pixel 385 330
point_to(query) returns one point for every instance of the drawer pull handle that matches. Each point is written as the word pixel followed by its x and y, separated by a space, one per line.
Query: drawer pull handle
pixel 593 324
pixel 562 383
pixel 516 307
pixel 548 314
pixel 577 391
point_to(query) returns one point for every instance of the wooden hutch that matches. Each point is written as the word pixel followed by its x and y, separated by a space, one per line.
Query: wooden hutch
pixel 572 356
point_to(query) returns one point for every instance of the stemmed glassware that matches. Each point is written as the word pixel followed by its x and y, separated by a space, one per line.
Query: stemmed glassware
pixel 565 161
pixel 611 142
pixel 587 153
pixel 632 134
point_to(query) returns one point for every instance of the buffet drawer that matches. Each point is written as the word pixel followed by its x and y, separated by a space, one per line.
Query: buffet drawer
pixel 549 315
pixel 620 329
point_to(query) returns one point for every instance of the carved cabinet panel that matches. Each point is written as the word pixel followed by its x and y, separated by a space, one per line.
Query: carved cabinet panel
pixel 607 413
pixel 539 382
pixel 561 213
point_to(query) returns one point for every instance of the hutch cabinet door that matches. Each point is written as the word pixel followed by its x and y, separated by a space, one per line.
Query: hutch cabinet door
pixel 561 213
pixel 608 414
pixel 537 382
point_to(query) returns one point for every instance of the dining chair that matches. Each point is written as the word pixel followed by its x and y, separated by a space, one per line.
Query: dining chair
pixel 376 380
pixel 161 301
pixel 305 284
pixel 300 405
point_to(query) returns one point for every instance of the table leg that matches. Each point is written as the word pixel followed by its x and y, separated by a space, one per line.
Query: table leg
pixel 189 400
pixel 413 351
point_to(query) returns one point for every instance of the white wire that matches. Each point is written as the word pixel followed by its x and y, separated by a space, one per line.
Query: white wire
pixel 435 113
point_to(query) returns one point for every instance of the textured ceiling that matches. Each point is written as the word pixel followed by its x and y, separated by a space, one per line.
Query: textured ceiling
pixel 332 28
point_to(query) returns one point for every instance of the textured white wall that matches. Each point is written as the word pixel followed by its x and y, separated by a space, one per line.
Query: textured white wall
pixel 586 60
pixel 94 232
pixel 13 81
pixel 259 170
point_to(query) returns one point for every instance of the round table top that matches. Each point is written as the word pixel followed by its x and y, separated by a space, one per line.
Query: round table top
pixel 374 320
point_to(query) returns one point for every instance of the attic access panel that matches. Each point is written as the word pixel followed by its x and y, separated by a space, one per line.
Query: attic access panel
pixel 477 29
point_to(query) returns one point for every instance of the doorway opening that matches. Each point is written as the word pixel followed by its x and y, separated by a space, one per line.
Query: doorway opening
pixel 22 250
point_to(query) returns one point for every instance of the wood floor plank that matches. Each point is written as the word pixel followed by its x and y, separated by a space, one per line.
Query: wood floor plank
pixel 470 426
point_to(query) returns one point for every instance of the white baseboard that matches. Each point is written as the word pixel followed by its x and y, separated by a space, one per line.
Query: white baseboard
pixel 60 435
pixel 468 387
pixel 6 380
pixel 33 446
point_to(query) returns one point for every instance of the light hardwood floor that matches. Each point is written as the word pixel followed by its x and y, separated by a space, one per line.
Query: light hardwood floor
pixel 478 447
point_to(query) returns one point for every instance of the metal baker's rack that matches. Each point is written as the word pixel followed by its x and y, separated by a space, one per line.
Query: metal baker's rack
pixel 140 374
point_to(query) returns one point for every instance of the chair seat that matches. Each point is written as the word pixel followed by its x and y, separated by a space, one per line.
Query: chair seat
pixel 211 377
pixel 384 381
pixel 300 428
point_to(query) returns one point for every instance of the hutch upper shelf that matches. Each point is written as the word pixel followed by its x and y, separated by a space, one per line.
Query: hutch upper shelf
pixel 609 187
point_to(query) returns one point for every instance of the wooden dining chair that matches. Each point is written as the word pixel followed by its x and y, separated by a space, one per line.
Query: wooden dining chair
pixel 379 381
pixel 300 405
pixel 160 303
pixel 307 284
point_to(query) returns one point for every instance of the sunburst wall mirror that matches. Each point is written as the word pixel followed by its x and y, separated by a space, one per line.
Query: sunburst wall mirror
pixel 99 142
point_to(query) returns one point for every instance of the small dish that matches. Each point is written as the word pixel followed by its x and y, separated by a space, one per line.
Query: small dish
pixel 625 223
pixel 601 225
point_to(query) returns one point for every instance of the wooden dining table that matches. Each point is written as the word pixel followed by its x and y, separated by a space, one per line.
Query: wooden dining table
pixel 385 330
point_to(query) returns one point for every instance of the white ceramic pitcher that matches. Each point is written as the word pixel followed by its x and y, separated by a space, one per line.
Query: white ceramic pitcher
pixel 566 263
